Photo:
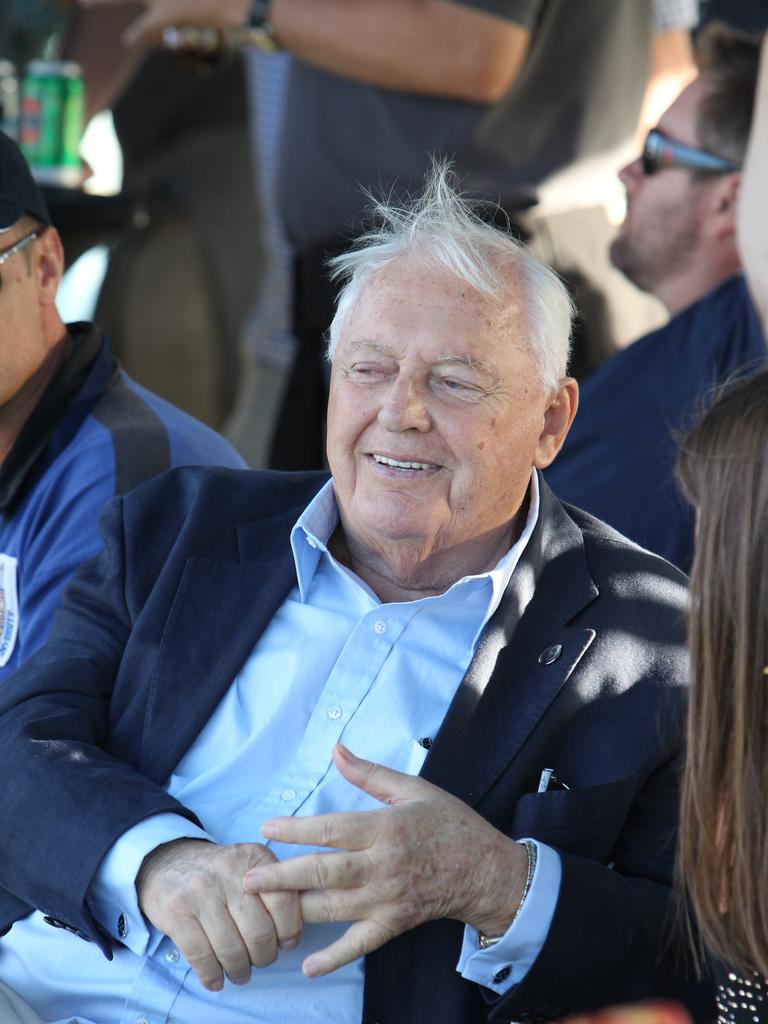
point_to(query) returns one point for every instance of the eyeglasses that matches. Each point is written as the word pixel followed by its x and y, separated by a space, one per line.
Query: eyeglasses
pixel 5 254
pixel 660 152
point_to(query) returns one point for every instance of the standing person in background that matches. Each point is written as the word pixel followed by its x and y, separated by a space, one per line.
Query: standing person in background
pixel 375 88
pixel 74 429
pixel 678 241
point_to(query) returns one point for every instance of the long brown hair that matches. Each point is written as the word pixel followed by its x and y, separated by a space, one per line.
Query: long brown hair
pixel 723 850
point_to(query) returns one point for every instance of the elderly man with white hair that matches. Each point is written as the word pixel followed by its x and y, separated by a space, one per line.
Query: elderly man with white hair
pixel 180 788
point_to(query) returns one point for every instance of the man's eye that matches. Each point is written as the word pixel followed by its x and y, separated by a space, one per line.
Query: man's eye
pixel 457 385
pixel 366 371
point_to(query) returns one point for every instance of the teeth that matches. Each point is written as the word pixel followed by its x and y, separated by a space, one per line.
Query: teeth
pixel 401 465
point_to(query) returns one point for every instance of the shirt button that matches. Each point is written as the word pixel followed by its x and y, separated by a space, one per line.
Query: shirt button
pixel 122 926
pixel 501 975
pixel 142 1020
pixel 289 794
pixel 172 956
pixel 334 713
pixel 379 627
pixel 312 542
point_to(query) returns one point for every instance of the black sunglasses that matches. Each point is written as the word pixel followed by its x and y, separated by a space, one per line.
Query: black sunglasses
pixel 660 152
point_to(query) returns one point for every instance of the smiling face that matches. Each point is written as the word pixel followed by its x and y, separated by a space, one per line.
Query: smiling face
pixel 436 416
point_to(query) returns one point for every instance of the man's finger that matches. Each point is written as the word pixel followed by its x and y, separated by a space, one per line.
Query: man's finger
pixel 359 939
pixel 228 945
pixel 384 784
pixel 313 871
pixel 333 905
pixel 256 929
pixel 285 910
pixel 352 830
pixel 193 944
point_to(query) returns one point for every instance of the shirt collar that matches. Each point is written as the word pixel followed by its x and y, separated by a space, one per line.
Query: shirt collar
pixel 315 525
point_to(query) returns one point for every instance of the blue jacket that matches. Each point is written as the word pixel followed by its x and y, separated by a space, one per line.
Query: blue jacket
pixel 582 668
pixel 94 434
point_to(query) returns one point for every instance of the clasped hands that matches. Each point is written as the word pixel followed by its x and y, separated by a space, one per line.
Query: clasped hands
pixel 427 855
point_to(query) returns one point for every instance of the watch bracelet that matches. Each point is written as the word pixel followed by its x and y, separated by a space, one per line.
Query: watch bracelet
pixel 486 941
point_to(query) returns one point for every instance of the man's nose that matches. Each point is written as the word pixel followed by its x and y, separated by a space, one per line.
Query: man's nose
pixel 631 173
pixel 405 406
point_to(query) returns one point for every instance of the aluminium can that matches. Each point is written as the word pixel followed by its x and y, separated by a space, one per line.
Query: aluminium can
pixel 51 120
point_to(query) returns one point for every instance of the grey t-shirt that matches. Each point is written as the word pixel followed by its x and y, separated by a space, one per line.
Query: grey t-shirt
pixel 578 95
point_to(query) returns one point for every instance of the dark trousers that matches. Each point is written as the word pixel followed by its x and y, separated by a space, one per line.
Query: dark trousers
pixel 298 441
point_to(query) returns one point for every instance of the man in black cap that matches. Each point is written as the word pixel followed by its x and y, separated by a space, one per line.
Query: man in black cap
pixel 74 428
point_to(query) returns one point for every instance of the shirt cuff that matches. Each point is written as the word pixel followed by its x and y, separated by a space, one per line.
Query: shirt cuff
pixel 505 964
pixel 112 893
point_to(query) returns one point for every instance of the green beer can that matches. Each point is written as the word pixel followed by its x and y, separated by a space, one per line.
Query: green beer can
pixel 51 121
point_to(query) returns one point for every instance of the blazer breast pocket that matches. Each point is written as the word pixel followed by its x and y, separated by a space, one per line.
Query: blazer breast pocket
pixel 586 822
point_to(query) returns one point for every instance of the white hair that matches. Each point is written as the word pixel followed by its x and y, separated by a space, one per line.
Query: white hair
pixel 441 228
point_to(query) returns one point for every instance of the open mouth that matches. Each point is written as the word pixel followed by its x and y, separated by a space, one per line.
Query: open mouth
pixel 385 460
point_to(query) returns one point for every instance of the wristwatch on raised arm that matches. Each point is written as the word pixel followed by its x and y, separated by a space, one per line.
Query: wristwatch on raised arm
pixel 260 27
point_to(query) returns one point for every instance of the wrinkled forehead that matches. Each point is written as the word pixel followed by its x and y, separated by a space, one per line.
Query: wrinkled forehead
pixel 410 284
pixel 432 317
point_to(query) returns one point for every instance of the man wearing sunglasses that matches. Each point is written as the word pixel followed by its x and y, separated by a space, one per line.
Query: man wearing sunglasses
pixel 677 242
pixel 74 429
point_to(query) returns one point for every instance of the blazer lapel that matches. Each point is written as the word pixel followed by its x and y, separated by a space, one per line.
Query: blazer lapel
pixel 220 610
pixel 524 658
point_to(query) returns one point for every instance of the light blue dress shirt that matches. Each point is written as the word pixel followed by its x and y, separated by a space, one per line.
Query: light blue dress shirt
pixel 335 664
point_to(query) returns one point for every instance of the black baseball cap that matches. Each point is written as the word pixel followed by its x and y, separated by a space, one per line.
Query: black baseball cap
pixel 19 194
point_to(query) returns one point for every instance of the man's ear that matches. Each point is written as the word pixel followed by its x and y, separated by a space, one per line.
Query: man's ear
pixel 721 206
pixel 49 265
pixel 558 418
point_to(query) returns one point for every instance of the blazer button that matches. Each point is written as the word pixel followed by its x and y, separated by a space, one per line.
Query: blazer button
pixel 550 654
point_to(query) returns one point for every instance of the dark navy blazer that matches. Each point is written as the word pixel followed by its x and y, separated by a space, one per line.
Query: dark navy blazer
pixel 581 669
